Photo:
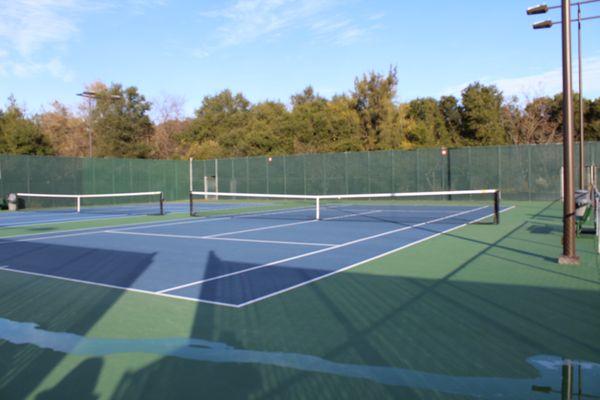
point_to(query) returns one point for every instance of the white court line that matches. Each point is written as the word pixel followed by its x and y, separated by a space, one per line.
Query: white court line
pixel 187 221
pixel 396 209
pixel 271 241
pixel 10 241
pixel 209 219
pixel 78 232
pixel 255 300
pixel 137 225
pixel 106 285
pixel 289 224
pixel 167 235
pixel 71 219
pixel 318 251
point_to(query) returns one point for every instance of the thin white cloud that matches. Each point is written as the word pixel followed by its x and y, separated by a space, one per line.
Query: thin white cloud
pixel 351 35
pixel 27 25
pixel 247 21
pixel 547 83
pixel 339 30
pixel 32 29
pixel 377 16
pixel 28 69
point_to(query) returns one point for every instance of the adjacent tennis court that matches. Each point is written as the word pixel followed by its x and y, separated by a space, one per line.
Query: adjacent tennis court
pixel 248 251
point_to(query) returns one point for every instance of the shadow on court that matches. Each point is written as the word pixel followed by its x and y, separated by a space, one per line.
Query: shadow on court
pixel 57 306
pixel 80 383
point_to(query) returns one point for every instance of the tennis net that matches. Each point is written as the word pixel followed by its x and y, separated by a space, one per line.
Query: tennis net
pixel 137 203
pixel 390 207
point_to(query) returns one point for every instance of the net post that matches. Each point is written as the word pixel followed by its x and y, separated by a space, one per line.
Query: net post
pixel 191 203
pixel 497 207
pixel 78 204
pixel 318 208
pixel 162 204
pixel 217 177
pixel 562 184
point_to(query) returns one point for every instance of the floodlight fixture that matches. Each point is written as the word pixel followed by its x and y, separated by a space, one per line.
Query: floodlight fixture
pixel 91 95
pixel 543 24
pixel 539 9
pixel 95 95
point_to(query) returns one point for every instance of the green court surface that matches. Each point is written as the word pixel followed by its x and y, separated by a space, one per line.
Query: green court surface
pixel 479 312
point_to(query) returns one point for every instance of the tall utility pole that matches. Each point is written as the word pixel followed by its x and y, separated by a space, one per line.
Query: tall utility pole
pixel 542 9
pixel 569 255
pixel 89 95
pixel 581 104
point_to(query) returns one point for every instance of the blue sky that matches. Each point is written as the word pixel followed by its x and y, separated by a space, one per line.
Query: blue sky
pixel 272 49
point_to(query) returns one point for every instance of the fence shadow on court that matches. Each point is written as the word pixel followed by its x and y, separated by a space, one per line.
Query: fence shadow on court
pixel 58 306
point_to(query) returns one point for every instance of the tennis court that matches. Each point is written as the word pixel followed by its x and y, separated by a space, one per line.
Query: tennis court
pixel 232 259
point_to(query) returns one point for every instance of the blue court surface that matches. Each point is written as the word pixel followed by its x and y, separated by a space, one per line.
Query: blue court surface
pixel 231 260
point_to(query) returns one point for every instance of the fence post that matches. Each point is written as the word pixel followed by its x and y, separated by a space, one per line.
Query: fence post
pixel 393 186
pixel 247 175
pixel 469 169
pixel 346 172
pixel 28 175
pixel 284 174
pixel 233 178
pixel 304 171
pixel 217 176
pixel 176 181
pixel 324 180
pixel 267 177
pixel 499 168
pixel 417 169
pixel 529 171
pixel 113 174
pixel 369 171
pixel 449 169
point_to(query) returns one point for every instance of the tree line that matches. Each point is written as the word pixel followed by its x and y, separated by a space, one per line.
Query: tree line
pixel 229 125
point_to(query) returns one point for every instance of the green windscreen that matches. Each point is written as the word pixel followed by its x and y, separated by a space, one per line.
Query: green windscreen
pixel 522 172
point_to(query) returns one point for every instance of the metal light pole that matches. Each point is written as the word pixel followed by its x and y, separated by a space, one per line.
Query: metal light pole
pixel 94 96
pixel 569 255
pixel 542 9
pixel 581 111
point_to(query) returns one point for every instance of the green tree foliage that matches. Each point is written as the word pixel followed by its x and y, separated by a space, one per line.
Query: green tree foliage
pixel 482 115
pixel 120 122
pixel 221 120
pixel 450 109
pixel 265 132
pixel 316 124
pixel 19 134
pixel 373 98
pixel 592 119
pixel 430 127
pixel 229 125
pixel 66 132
